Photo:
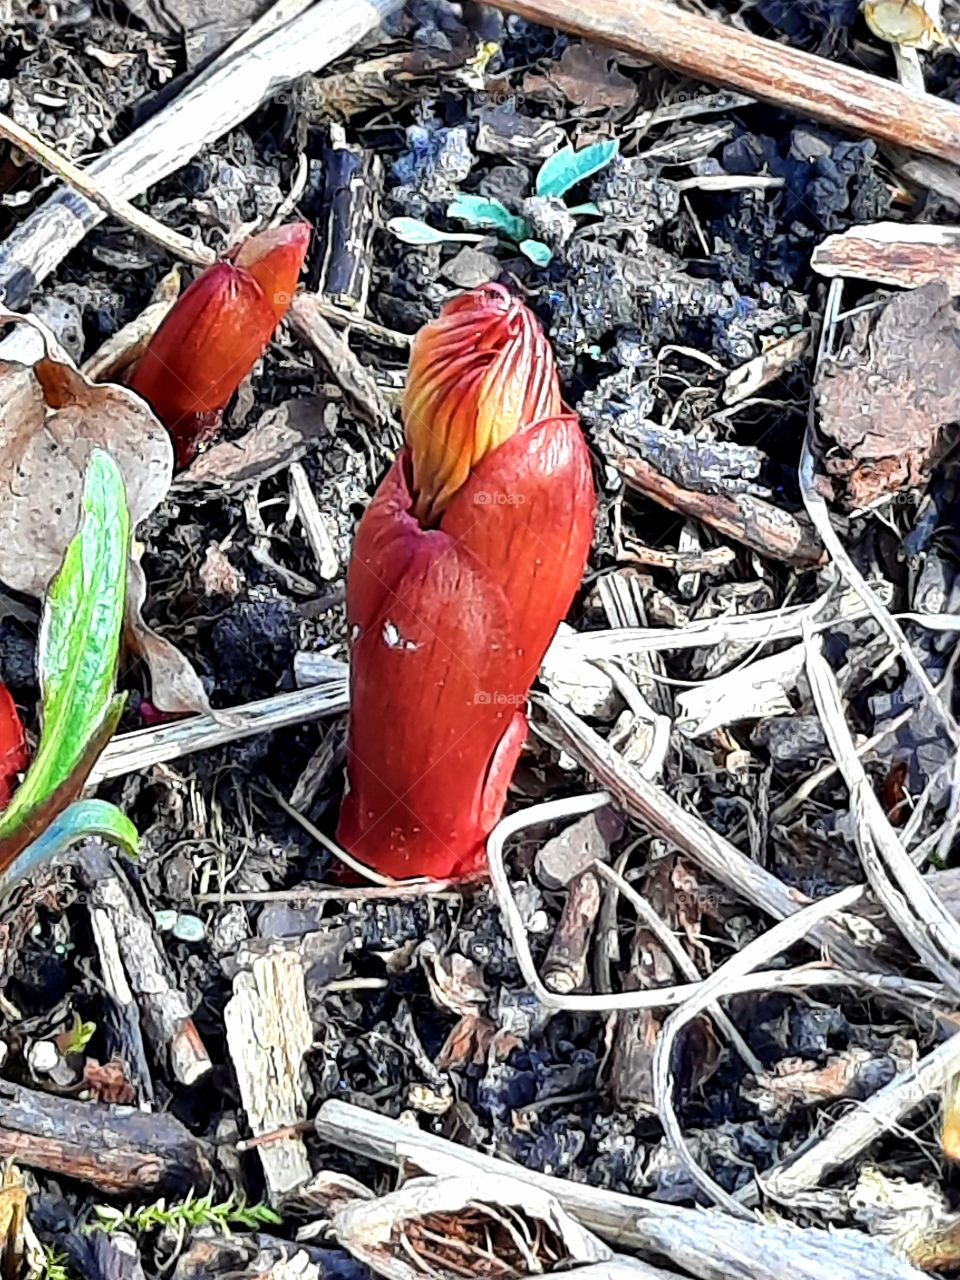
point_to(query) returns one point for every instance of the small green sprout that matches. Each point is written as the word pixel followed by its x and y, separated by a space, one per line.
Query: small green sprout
pixel 54 1265
pixel 78 1037
pixel 557 175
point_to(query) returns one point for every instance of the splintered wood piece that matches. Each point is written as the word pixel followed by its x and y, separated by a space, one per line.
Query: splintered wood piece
pixel 353 177
pixel 120 1151
pixel 685 42
pixel 268 1033
pixel 163 1007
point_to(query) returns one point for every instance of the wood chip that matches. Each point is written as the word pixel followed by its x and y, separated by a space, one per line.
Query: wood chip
pixel 268 1033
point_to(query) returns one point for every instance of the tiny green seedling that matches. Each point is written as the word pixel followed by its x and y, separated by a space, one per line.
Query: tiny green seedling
pixel 194 1211
pixel 557 175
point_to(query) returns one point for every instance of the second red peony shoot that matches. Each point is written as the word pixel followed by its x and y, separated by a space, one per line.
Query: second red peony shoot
pixel 463 565
pixel 216 332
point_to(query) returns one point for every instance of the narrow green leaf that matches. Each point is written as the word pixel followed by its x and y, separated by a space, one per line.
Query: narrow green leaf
pixel 479 211
pixel 79 640
pixel 80 821
pixel 588 210
pixel 413 231
pixel 538 252
pixel 566 167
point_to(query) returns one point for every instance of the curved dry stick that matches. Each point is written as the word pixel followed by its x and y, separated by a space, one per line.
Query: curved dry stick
pixel 723 983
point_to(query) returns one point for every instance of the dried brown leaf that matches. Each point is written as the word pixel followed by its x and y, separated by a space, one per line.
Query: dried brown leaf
pixel 51 418
pixel 282 436
pixel 588 77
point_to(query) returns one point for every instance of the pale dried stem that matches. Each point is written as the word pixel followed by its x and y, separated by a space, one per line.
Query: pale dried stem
pixel 187 250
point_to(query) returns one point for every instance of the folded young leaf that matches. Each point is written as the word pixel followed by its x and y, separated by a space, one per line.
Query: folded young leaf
pixel 79 640
pixel 80 821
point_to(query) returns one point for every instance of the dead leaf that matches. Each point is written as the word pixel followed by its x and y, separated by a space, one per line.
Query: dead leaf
pixel 455 982
pixel 218 576
pixel 108 1083
pixel 888 394
pixel 468 1043
pixel 174 685
pixel 282 436
pixel 13 1218
pixel 51 418
pixel 457 1224
pixel 588 77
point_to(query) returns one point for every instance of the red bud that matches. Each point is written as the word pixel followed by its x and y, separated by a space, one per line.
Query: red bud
pixel 448 625
pixel 14 756
pixel 216 332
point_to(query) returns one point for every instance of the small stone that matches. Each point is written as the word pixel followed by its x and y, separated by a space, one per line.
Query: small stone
pixel 471 268
pixel 230 930
pixel 189 929
pixel 43 1057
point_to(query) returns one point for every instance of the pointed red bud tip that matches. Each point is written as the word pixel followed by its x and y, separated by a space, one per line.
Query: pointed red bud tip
pixel 478 373
pixel 216 332
pixel 14 756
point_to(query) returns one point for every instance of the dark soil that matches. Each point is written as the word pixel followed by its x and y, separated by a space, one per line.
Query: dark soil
pixel 648 307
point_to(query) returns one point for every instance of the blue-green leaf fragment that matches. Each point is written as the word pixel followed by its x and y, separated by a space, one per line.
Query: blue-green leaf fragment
pixel 566 167
pixel 539 253
pixel 481 211
pixel 78 822
pixel 414 231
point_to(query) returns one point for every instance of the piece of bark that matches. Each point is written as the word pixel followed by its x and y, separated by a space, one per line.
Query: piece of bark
pixel 756 524
pixel 352 179
pixel 565 964
pixel 164 1010
pixel 888 394
pixel 894 253
pixel 706 49
pixel 268 1033
pixel 118 1150
pixel 167 141
pixel 357 385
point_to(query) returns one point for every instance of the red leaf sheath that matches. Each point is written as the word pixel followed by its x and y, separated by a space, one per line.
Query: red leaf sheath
pixel 216 332
pixel 436 719
pixel 448 629
pixel 14 756
pixel 527 511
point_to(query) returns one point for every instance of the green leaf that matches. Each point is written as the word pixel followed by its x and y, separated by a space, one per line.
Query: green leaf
pixel 79 821
pixel 566 167
pixel 413 231
pixel 479 211
pixel 79 641
pixel 538 252
pixel 588 210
